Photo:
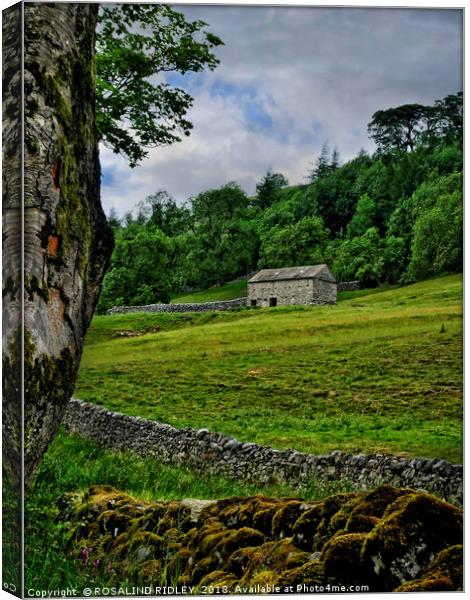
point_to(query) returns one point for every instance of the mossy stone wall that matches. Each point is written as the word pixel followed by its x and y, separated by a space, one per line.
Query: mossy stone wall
pixel 390 539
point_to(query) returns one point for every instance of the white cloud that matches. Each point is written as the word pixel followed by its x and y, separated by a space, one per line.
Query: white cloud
pixel 220 149
pixel 318 74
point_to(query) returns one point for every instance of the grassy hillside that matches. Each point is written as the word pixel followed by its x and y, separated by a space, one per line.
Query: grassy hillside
pixel 228 291
pixel 379 372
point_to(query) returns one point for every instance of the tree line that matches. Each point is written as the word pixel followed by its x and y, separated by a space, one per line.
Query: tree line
pixel 393 216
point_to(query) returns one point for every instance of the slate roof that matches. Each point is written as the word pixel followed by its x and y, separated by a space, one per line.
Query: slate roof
pixel 308 272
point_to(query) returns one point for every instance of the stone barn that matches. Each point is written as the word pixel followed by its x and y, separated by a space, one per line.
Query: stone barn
pixel 294 285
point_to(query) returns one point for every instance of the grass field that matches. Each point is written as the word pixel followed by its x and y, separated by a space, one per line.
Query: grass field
pixel 73 464
pixel 377 372
pixel 229 291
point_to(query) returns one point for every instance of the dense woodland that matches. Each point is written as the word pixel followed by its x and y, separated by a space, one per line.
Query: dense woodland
pixel 395 216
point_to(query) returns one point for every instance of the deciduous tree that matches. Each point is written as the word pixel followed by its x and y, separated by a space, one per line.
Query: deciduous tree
pixel 398 128
pixel 137 44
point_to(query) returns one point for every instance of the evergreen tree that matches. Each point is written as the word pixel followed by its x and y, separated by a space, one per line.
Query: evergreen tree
pixel 268 188
pixel 113 220
pixel 322 164
pixel 334 160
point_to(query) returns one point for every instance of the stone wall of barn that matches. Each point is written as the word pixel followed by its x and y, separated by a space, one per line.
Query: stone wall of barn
pixel 291 292
pixel 324 292
pixel 349 286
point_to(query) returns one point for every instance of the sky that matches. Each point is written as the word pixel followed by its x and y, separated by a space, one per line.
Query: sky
pixel 290 79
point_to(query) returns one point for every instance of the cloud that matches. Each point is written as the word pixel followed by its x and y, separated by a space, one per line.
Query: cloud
pixel 289 79
pixel 223 147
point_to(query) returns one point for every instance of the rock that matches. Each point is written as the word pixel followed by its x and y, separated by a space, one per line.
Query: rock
pixel 413 529
pixel 143 552
pixel 389 539
pixel 341 559
pixel 196 506
pixel 444 573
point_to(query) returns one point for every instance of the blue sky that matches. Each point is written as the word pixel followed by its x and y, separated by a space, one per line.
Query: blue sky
pixel 290 79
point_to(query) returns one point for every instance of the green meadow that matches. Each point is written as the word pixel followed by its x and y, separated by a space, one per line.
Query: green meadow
pixel 228 291
pixel 379 372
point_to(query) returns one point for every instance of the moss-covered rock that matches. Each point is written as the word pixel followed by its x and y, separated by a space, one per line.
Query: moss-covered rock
pixel 217 582
pixel 242 513
pixel 310 573
pixel 389 539
pixel 306 526
pixel 285 517
pixel 444 573
pixel 341 557
pixel 115 533
pixel 413 530
pixel 427 584
pixel 263 518
pixel 263 578
pixel 369 508
pixel 242 560
pixel 330 507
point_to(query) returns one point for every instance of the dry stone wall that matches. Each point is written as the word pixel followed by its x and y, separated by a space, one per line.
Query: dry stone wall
pixel 186 307
pixel 220 454
pixel 349 286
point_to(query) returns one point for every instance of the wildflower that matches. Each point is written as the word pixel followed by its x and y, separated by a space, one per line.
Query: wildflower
pixel 85 555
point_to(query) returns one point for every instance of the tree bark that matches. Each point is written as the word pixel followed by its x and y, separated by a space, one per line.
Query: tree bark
pixel 11 304
pixel 67 242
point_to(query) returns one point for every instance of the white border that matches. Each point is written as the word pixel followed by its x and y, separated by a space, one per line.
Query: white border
pixel 437 4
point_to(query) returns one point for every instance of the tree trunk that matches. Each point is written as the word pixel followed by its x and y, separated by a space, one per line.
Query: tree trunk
pixel 67 242
pixel 11 330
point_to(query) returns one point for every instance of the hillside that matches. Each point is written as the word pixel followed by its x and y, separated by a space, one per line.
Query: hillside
pixel 228 291
pixel 393 217
pixel 382 372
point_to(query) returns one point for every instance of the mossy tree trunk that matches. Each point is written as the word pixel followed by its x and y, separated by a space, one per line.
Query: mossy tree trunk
pixel 67 242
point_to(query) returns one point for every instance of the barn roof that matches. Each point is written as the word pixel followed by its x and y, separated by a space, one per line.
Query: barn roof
pixel 308 272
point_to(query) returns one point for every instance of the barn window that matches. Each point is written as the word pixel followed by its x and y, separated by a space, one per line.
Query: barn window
pixel 273 302
pixel 253 303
